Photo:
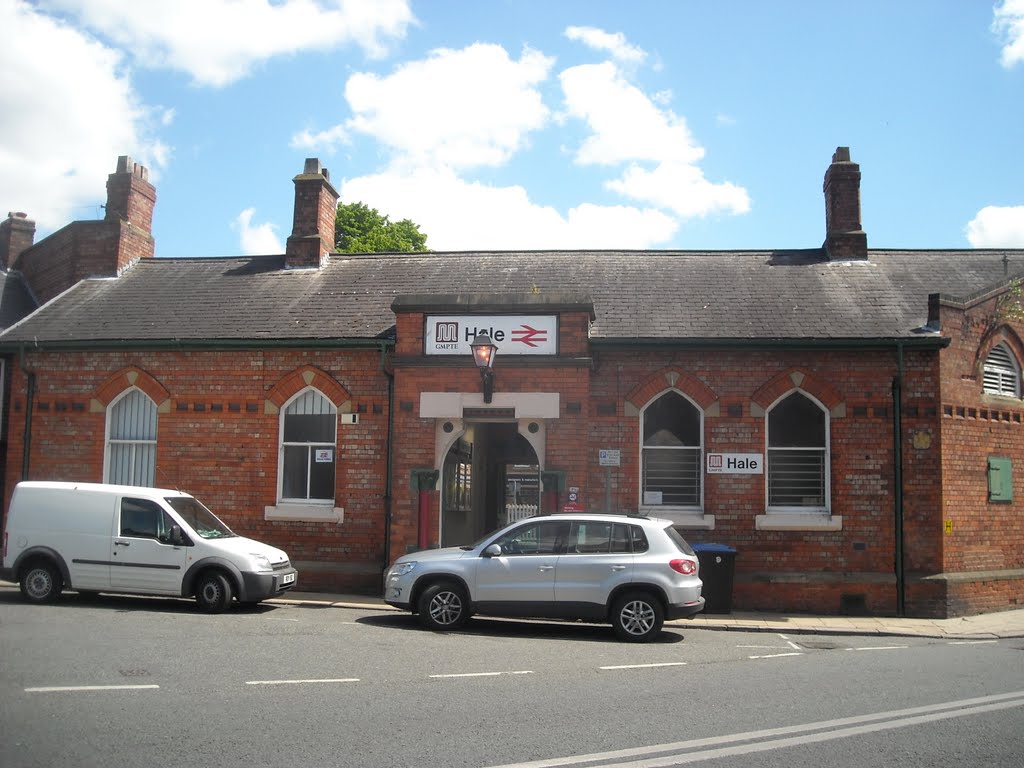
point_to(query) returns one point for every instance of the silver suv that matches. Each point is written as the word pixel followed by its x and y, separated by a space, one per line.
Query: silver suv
pixel 632 572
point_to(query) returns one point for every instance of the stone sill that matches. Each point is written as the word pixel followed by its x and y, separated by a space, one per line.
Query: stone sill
pixel 799 522
pixel 305 513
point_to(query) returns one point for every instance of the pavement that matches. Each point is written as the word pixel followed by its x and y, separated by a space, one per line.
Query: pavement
pixel 986 626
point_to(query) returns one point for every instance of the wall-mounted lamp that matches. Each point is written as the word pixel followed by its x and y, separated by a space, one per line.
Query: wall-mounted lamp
pixel 483 355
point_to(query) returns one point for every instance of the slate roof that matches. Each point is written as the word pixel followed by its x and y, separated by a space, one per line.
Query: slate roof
pixel 16 300
pixel 637 295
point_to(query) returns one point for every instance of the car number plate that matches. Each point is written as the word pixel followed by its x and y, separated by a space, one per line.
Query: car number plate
pixel 288 578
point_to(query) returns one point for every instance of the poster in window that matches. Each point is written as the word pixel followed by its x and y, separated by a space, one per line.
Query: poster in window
pixel 324 455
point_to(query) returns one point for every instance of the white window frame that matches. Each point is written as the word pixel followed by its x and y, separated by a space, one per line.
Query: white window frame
pixel 133 444
pixel 310 446
pixel 684 516
pixel 792 517
pixel 1001 372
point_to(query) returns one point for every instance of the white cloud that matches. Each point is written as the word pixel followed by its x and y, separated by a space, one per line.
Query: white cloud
pixel 1008 24
pixel 681 188
pixel 627 127
pixel 613 43
pixel 625 123
pixel 462 215
pixel 256 239
pixel 219 41
pixel 328 140
pixel 459 108
pixel 69 110
pixel 997 227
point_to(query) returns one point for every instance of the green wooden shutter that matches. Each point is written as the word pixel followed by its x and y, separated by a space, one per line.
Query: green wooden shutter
pixel 1000 479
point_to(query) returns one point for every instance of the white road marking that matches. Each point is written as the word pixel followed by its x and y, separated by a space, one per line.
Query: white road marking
pixel 696 750
pixel 66 688
pixel 485 674
pixel 648 666
pixel 302 682
pixel 775 656
pixel 879 648
pixel 973 642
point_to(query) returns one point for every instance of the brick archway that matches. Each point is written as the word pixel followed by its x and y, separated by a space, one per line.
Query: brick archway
pixel 672 378
pixel 1001 334
pixel 126 379
pixel 303 377
pixel 792 379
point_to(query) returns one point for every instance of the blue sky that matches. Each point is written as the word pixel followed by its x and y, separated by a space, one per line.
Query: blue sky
pixel 508 124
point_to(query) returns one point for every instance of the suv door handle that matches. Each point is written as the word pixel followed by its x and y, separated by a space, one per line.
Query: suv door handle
pixel 545 567
pixel 618 567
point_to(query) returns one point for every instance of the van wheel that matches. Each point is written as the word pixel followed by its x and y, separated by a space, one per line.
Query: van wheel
pixel 443 606
pixel 637 617
pixel 213 592
pixel 41 582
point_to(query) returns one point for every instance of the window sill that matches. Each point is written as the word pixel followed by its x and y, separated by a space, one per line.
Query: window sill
pixel 815 521
pixel 682 519
pixel 305 513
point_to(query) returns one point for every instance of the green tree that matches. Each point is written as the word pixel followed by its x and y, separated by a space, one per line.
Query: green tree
pixel 358 228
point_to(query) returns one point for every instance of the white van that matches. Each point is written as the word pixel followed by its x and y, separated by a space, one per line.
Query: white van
pixel 146 541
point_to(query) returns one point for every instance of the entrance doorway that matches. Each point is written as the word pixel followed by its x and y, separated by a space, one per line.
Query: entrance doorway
pixel 490 477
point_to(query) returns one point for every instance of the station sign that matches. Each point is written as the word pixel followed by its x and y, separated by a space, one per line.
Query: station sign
pixel 735 463
pixel 513 334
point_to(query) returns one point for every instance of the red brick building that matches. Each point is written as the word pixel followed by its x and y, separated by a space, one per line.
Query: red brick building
pixel 848 419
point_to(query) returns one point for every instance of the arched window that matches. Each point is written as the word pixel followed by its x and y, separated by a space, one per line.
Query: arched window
pixel 1001 372
pixel 798 456
pixel 309 426
pixel 671 453
pixel 131 440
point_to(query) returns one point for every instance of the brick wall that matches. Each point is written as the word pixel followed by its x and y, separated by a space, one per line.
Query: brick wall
pixel 982 542
pixel 217 441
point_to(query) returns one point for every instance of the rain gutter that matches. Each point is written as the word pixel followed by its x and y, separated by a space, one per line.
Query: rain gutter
pixel 924 342
pixel 221 344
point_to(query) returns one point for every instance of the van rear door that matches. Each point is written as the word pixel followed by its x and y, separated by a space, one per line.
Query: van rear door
pixel 142 558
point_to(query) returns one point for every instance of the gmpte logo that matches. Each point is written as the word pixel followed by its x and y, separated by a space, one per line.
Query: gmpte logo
pixel 446 334
pixel 715 461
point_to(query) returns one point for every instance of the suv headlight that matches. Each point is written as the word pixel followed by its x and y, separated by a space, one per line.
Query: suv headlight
pixel 402 568
pixel 262 562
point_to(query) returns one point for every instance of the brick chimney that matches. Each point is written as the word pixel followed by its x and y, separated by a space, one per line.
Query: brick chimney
pixel 844 238
pixel 130 196
pixel 17 233
pixel 316 206
pixel 130 202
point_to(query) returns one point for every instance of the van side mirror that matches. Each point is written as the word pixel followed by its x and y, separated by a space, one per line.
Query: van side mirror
pixel 176 535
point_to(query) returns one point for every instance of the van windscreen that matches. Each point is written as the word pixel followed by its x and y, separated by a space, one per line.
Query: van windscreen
pixel 199 518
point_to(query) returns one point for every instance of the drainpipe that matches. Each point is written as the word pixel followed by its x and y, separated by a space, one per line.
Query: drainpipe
pixel 897 426
pixel 389 458
pixel 30 396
